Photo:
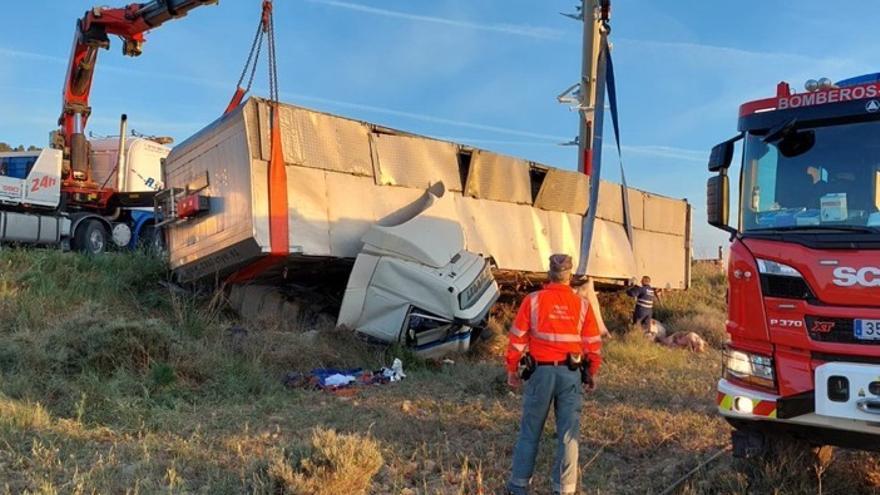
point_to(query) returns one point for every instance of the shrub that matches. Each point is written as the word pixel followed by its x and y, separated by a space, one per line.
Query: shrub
pixel 107 346
pixel 330 464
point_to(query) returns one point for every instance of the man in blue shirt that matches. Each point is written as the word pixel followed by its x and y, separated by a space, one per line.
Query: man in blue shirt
pixel 645 296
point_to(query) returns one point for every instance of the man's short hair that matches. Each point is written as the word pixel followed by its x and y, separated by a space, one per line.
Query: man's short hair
pixel 646 280
pixel 560 268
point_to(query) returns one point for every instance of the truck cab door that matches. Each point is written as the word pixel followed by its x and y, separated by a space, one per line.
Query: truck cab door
pixel 13 170
pixel 43 185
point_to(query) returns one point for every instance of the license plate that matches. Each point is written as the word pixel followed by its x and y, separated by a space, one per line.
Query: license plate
pixel 867 329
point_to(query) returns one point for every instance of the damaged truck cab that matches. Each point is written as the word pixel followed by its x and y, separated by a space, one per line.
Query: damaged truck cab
pixel 804 267
pixel 414 284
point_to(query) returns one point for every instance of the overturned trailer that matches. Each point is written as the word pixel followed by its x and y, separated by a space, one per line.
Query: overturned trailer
pixel 349 182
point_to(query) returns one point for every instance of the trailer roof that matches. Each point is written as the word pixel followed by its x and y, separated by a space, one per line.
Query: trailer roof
pixel 393 131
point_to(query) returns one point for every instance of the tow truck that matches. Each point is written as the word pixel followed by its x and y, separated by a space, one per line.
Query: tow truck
pixel 804 270
pixel 89 195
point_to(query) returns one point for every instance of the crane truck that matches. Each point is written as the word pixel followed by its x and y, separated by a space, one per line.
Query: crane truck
pixel 804 267
pixel 89 195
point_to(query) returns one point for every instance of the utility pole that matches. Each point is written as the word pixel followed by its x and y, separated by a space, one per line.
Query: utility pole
pixel 591 17
pixel 588 97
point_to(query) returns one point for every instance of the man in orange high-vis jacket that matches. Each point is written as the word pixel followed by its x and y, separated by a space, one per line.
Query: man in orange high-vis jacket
pixel 556 329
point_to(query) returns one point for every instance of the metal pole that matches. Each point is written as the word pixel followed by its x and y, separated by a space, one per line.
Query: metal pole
pixel 589 57
pixel 121 163
pixel 591 101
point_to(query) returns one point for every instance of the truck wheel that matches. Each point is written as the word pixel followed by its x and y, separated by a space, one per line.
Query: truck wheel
pixel 151 239
pixel 91 237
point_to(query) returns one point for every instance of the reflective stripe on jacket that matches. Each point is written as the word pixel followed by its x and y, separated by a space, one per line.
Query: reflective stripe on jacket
pixel 644 296
pixel 553 322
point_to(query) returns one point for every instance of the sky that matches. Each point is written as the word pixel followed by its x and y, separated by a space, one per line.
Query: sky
pixel 482 72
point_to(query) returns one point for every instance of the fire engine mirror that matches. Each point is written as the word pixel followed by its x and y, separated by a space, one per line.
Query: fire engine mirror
pixel 717 201
pixel 722 155
pixel 797 143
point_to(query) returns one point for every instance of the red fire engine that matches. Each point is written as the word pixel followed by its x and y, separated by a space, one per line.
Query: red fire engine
pixel 804 270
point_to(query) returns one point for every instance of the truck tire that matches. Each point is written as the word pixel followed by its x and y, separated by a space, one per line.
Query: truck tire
pixel 91 237
pixel 151 239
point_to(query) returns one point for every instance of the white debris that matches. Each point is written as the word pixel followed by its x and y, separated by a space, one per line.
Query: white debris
pixel 395 373
pixel 338 380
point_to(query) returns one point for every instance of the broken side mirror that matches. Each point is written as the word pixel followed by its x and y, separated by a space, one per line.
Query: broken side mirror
pixel 722 155
pixel 718 202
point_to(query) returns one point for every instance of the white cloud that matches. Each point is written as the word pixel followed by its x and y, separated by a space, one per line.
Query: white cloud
pixel 531 139
pixel 511 29
pixel 425 118
pixel 177 77
pixel 202 81
pixel 9 52
pixel 205 82
pixel 670 152
pixel 724 52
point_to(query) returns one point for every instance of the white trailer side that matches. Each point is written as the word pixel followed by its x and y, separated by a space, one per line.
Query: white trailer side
pixel 344 176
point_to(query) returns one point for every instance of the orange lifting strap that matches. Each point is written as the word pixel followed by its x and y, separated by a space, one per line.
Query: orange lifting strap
pixel 278 225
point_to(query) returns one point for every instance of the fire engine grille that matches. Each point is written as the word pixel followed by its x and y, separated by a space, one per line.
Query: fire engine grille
pixel 838 330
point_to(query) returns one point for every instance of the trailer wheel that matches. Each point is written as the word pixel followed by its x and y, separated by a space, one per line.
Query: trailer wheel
pixel 91 237
pixel 151 239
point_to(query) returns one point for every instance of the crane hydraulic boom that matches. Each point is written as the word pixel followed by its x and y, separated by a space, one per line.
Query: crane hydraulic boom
pixel 92 33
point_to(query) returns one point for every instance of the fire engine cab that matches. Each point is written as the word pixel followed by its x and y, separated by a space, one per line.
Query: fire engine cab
pixel 804 269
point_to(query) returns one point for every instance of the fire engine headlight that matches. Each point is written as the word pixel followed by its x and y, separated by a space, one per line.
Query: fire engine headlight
pixel 781 280
pixel 754 369
pixel 768 267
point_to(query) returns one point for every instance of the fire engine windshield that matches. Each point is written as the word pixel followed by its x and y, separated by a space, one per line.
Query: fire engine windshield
pixel 822 178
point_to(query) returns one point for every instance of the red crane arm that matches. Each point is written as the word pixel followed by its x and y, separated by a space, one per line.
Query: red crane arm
pixel 92 33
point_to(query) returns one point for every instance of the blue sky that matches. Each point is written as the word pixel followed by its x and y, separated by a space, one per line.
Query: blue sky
pixel 483 72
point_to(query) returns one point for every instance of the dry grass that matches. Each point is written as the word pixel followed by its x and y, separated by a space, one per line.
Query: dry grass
pixel 701 309
pixel 128 388
pixel 330 464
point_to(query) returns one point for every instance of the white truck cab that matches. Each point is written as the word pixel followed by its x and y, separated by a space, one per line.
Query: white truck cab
pixel 31 178
pixel 414 284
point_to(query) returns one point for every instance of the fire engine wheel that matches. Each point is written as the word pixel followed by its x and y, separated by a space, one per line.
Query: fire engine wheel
pixel 91 237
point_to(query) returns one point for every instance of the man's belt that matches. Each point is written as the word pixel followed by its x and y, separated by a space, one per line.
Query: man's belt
pixel 553 363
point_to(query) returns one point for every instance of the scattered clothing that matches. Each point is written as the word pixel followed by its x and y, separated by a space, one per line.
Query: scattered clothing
pixel 395 372
pixel 338 380
pixel 333 379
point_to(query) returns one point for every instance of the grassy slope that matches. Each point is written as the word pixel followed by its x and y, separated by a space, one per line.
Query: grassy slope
pixel 110 383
